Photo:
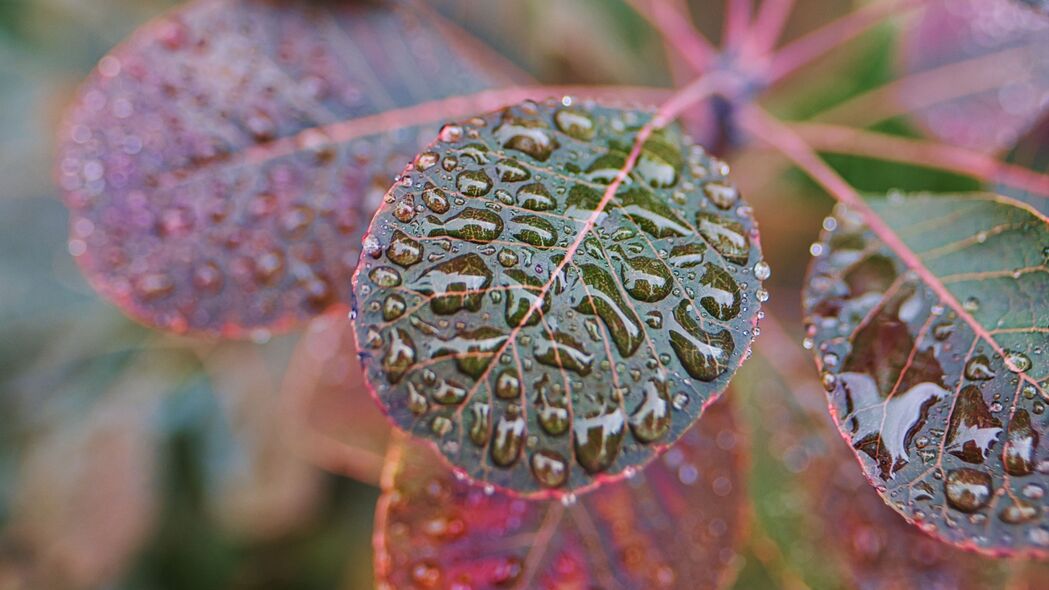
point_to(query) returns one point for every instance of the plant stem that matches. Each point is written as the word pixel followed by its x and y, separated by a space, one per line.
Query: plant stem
pixel 794 147
pixel 677 31
pixel 858 142
pixel 768 26
pixel 930 87
pixel 823 40
pixel 737 23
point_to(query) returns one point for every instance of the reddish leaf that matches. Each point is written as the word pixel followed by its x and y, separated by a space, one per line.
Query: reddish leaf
pixel 340 427
pixel 545 338
pixel 221 165
pixel 946 411
pixel 998 54
pixel 673 525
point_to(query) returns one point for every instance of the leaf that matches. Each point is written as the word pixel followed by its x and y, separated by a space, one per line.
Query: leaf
pixel 338 426
pixel 543 341
pixel 833 528
pixel 86 500
pixel 996 52
pixel 946 411
pixel 673 525
pixel 220 166
pixel 1032 151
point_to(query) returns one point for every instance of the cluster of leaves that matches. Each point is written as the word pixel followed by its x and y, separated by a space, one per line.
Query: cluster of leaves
pixel 553 292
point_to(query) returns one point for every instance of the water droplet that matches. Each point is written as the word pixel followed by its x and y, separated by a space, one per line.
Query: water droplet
pixel 1017 362
pixel 509 437
pixel 722 195
pixel 436 199
pixel 762 271
pixel 393 307
pixel 598 438
pixel 426 160
pixel 978 368
pixel 575 123
pixel 1021 445
pixel 385 277
pixel 967 490
pixel 650 421
pixel 473 183
pixel 403 250
pixel 549 468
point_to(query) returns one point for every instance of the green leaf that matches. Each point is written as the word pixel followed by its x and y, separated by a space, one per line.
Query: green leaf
pixel 945 409
pixel 512 316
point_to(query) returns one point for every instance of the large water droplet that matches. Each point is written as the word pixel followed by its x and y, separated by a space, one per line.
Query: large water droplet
pixel 967 490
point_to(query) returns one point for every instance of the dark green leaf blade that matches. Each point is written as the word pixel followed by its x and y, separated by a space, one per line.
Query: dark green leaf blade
pixel 945 411
pixel 221 165
pixel 494 323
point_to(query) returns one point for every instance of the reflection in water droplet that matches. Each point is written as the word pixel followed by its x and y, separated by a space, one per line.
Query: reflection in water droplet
pixel 511 170
pixel 549 468
pixel 508 385
pixel 884 428
pixel 1017 362
pixel 403 250
pixel 602 298
pixel 436 199
pixel 527 136
pixel 978 368
pixel 719 293
pixel 1021 445
pixel 651 420
pixel 728 237
pixel 575 123
pixel 598 438
pixel 722 195
pixel 466 275
pixel 400 355
pixel 1018 511
pixel 385 277
pixel 471 224
pixel 704 355
pixel 565 352
pixel 535 197
pixel 509 437
pixel 478 418
pixel 473 183
pixel 967 490
pixel 393 307
pixel 973 429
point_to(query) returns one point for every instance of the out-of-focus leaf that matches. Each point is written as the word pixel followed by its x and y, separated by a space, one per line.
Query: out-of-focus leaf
pixel 673 525
pixel 221 165
pixel 264 489
pixel 946 411
pixel 546 339
pixel 337 424
pixel 999 52
pixel 85 497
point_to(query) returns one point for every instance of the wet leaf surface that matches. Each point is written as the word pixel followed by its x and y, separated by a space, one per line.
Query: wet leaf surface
pixel 542 341
pixel 672 525
pixel 831 526
pixel 946 413
pixel 221 166
pixel 997 52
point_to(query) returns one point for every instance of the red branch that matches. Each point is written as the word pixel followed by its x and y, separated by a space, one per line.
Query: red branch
pixel 677 31
pixel 794 147
pixel 931 154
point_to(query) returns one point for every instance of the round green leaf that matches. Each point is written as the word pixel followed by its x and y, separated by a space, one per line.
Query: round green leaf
pixel 946 410
pixel 544 339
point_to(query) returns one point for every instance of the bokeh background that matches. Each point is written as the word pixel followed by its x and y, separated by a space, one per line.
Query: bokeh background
pixel 130 459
